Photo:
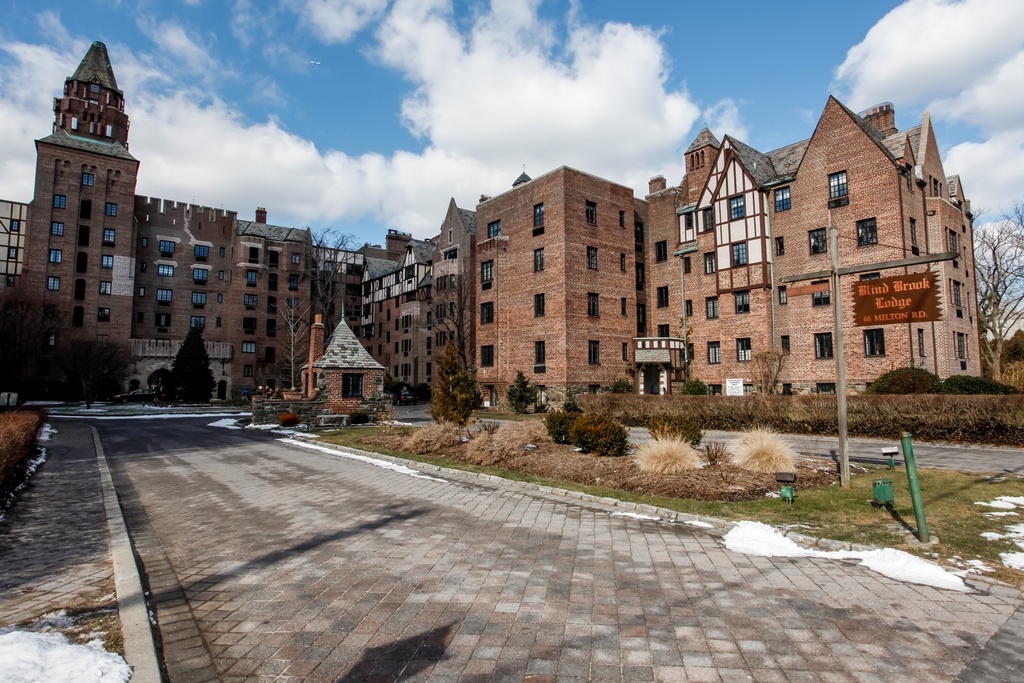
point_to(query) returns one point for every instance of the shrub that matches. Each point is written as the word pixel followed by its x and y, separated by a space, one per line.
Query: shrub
pixel 489 426
pixel 18 430
pixel 906 381
pixel 456 393
pixel 762 450
pixel 558 424
pixel 715 453
pixel 599 434
pixel 966 384
pixel 667 456
pixel 522 394
pixel 509 441
pixel 359 418
pixel 673 426
pixel 289 419
pixel 570 405
pixel 622 385
pixel 434 438
pixel 694 387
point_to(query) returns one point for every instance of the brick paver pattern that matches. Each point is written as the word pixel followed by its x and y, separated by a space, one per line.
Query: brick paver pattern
pixel 299 565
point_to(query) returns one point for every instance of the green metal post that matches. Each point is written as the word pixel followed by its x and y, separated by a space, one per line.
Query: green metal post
pixel 915 488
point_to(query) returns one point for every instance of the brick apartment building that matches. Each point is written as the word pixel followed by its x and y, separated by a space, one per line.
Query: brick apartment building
pixel 567 277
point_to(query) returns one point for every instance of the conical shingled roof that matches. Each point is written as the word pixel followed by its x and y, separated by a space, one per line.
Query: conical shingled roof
pixel 523 178
pixel 344 351
pixel 96 68
pixel 705 138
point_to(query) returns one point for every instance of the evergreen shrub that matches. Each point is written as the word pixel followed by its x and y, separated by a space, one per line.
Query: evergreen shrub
pixel 599 434
pixel 906 381
pixel 966 384
pixel 558 423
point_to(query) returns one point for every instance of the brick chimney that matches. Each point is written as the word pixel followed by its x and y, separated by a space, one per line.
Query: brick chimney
pixel 656 184
pixel 317 332
pixel 882 118
pixel 261 214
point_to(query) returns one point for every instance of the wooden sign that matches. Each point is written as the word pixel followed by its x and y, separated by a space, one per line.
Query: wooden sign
pixel 898 299
pixel 812 288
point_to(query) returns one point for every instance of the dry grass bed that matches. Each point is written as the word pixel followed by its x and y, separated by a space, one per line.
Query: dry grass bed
pixel 721 482
pixel 18 429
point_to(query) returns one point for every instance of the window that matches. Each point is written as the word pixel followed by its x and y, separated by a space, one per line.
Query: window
pixel 592 258
pixel 870 276
pixel 913 232
pixel 622 305
pixel 823 345
pixel 783 297
pixel 742 300
pixel 163 319
pixel 220 275
pixel 493 229
pixel 961 345
pixel 663 331
pixel 593 304
pixel 56 228
pixel 539 353
pixel 53 283
pixel 59 201
pixel 688 308
pixel 737 208
pixel 271 327
pixel 108 237
pixel 662 297
pixel 202 252
pixel 538 260
pixel 249 301
pixel 250 278
pixel 106 287
pixel 56 255
pixel 818 240
pixel 952 241
pixel 487 356
pixel 254 254
pixel 821 298
pixel 920 342
pixel 164 296
pixel 785 344
pixel 837 185
pixel 709 218
pixel 197 321
pixel 249 325
pixel 351 384
pixel 296 257
pixel 714 353
pixel 247 371
pixel 248 347
pixel 538 305
pixel 825 387
pixel 198 298
pixel 622 262
pixel 711 307
pixel 780 246
pixel 874 342
pixel 106 261
pixel 594 352
pixel 661 251
pixel 739 254
pixel 867 232
pixel 709 263
pixel 145 242
pixel 686 265
pixel 743 349
pixel 538 215
pixel 270 355
pixel 591 212
pixel 15 225
pixel 782 199
pixel 166 248
pixel 487 313
pixel 200 275
pixel 88 180
pixel 142 292
pixel 641 279
pixel 103 315
pixel 111 209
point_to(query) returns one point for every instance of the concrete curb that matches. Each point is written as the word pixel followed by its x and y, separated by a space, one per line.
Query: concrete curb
pixel 139 647
pixel 718 526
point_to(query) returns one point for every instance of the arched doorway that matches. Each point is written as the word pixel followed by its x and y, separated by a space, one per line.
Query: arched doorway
pixel 133 385
pixel 652 379
pixel 222 390
pixel 160 381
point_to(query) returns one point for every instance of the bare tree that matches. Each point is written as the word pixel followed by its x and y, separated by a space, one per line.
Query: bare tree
pixel 768 367
pixel 98 367
pixel 452 301
pixel 330 253
pixel 999 271
pixel 26 328
pixel 294 317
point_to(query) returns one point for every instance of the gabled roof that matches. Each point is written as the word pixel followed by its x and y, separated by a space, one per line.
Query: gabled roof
pixel 468 219
pixel 344 351
pixel 758 165
pixel 868 129
pixel 377 267
pixel 275 233
pixel 422 250
pixel 787 159
pixel 62 138
pixel 96 68
pixel 705 138
pixel 523 178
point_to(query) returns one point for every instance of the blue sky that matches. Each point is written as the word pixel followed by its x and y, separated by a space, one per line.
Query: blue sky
pixel 416 101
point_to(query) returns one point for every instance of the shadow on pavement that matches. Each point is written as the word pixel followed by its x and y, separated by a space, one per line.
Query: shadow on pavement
pixel 402 658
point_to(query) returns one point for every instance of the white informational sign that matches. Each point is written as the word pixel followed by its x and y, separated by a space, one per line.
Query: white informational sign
pixel 734 387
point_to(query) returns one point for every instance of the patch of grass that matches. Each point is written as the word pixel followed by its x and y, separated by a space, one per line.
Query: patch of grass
pixel 830 511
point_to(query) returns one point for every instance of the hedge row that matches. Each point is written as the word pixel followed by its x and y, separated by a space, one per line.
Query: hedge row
pixel 995 420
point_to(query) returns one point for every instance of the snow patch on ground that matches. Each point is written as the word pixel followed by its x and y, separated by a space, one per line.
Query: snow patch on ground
pixel 383 464
pixel 635 515
pixel 1002 504
pixel 27 657
pixel 698 523
pixel 46 431
pixel 1014 532
pixel 226 423
pixel 756 538
pixel 1013 560
pixel 160 416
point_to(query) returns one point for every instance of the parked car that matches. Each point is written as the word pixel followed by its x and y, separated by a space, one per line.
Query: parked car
pixel 403 398
pixel 136 396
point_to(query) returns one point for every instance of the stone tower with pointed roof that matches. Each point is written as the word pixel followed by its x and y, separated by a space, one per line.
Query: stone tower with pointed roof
pixel 700 155
pixel 80 241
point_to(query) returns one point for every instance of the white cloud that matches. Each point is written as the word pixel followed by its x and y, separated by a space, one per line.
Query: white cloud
pixel 723 118
pixel 336 21
pixel 964 62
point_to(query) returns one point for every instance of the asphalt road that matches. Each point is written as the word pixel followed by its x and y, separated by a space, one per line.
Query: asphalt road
pixel 268 561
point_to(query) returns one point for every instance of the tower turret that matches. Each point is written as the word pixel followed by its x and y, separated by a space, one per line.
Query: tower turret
pixel 92 105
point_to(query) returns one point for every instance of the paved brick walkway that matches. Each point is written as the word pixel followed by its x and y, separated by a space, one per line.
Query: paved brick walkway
pixel 276 563
pixel 54 552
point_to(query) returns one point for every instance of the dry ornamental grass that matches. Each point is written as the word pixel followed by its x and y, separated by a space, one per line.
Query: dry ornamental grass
pixel 762 450
pixel 436 438
pixel 667 456
pixel 18 429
